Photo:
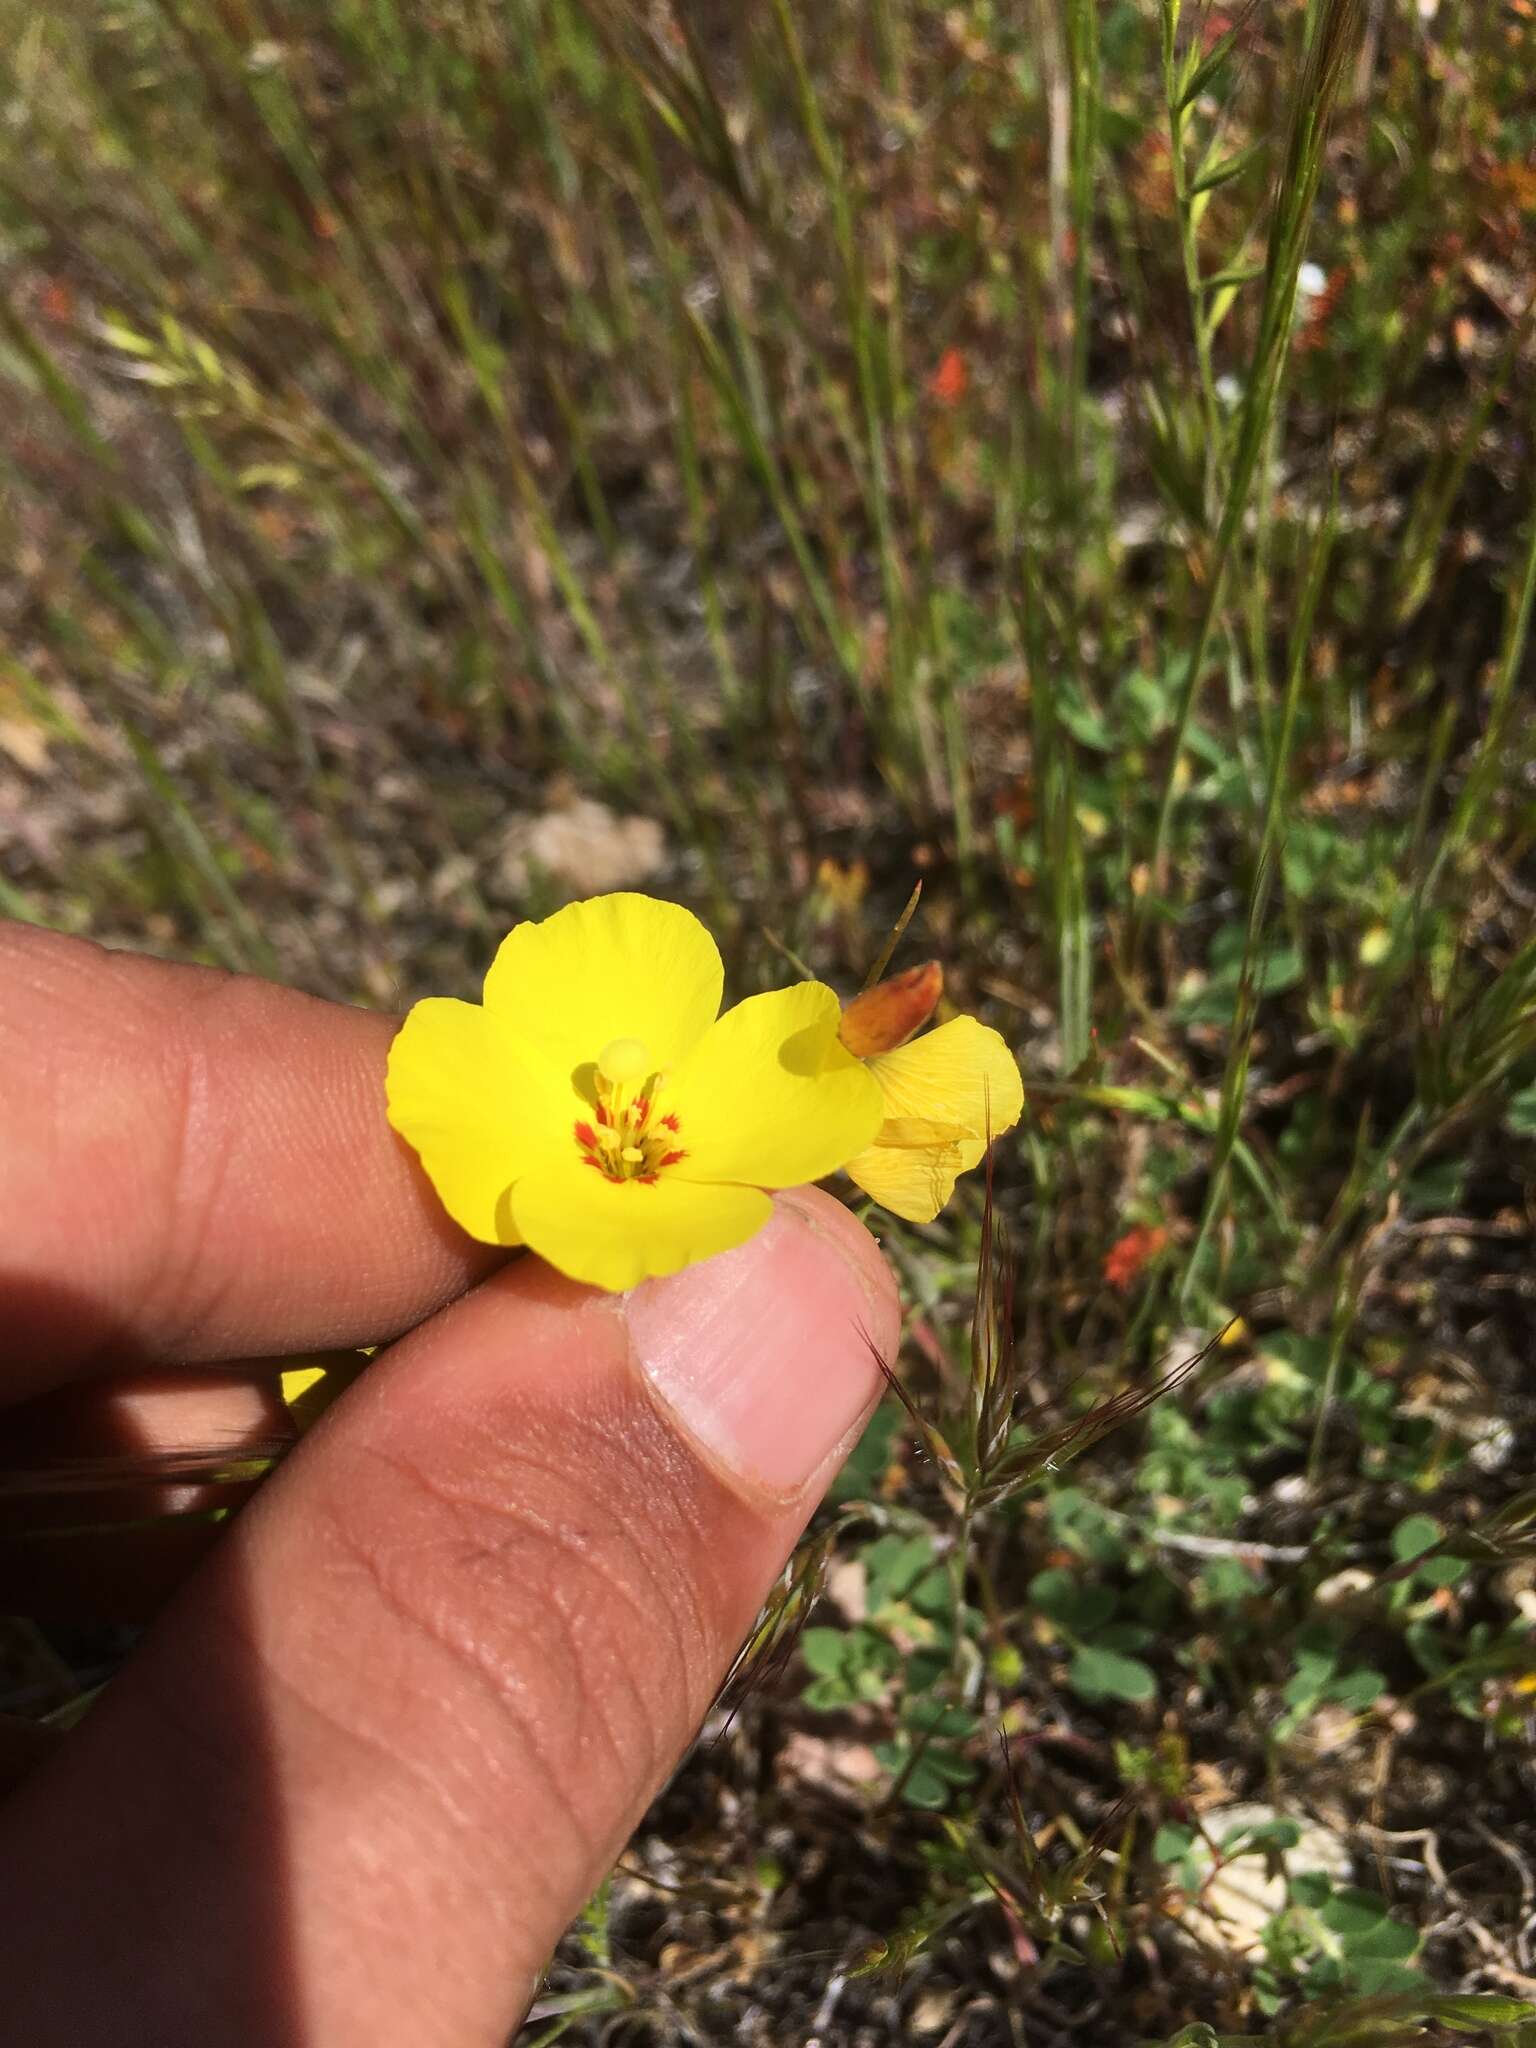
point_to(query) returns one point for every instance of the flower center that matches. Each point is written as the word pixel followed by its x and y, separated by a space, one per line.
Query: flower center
pixel 627 1138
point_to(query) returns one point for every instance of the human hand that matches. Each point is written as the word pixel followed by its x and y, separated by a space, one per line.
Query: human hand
pixel 398 1723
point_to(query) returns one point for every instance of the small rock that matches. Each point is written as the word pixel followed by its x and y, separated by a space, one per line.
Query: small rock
pixel 847 1587
pixel 1345 1588
pixel 932 2011
pixel 1234 1906
pixel 583 847
pixel 455 873
pixel 1493 1443
pixel 26 743
pixel 832 1763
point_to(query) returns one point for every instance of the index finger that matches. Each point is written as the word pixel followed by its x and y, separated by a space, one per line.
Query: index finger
pixel 196 1165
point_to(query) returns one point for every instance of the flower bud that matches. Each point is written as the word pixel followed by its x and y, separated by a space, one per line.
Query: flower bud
pixel 886 1015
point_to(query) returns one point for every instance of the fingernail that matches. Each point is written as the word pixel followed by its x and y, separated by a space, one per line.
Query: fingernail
pixel 768 1356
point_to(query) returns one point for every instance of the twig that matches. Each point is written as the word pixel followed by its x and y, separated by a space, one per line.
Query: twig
pixel 1234 1546
pixel 1225 1546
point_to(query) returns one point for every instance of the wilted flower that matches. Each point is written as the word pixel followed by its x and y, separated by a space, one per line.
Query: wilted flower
pixel 946 1094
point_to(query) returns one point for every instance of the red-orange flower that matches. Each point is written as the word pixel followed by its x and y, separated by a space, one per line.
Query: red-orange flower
pixel 1124 1261
pixel 951 379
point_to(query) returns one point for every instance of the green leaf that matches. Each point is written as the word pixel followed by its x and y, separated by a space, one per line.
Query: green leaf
pixel 827 1695
pixel 893 1954
pixel 1230 167
pixel 1205 72
pixel 1127 1636
pixel 1357 1689
pixel 1478 2009
pixel 1376 1976
pixel 1392 1941
pixel 1078 1521
pixel 1087 727
pixel 1251 1836
pixel 934 1776
pixel 849 1665
pixel 1442 1571
pixel 1275 973
pixel 1427 1644
pixel 937 1717
pixel 122 336
pixel 894 1564
pixel 1363 1922
pixel 948 1765
pixel 1520 1115
pixel 1172 1842
pixel 1063 1598
pixel 1413 1536
pixel 825 1650
pixel 926 1789
pixel 1106 1675
pixel 1226 1582
pixel 1240 273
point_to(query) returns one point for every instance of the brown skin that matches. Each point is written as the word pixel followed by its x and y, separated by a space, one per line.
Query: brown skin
pixel 394 1729
pixel 196 1169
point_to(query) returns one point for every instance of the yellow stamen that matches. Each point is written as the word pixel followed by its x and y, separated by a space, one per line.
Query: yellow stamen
pixel 632 1155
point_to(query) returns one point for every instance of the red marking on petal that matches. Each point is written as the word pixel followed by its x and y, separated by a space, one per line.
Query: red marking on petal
pixel 670 1123
pixel 671 1158
pixel 585 1135
pixel 593 1162
pixel 641 1108
pixel 602 1115
pixel 645 1180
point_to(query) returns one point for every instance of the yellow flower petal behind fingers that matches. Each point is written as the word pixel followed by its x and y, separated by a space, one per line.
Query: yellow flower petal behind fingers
pixel 464 1094
pixel 613 967
pixel 616 1233
pixel 913 1181
pixel 946 1095
pixel 961 1073
pixel 770 1096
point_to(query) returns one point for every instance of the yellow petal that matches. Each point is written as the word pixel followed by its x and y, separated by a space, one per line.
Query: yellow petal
pixel 300 1380
pixel 310 1390
pixel 615 1234
pixel 919 1130
pixel 768 1096
pixel 963 1073
pixel 610 969
pixel 959 1079
pixel 476 1107
pixel 914 1181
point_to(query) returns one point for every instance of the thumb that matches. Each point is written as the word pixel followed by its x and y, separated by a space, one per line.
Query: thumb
pixel 399 1726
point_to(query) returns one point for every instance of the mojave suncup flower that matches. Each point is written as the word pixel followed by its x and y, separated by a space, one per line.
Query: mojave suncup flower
pixel 597 1108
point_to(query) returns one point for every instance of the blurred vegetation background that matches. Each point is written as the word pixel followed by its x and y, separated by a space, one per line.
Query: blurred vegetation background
pixel 1074 454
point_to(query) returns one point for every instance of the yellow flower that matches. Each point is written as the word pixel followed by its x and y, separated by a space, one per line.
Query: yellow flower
pixel 946 1095
pixel 596 1108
